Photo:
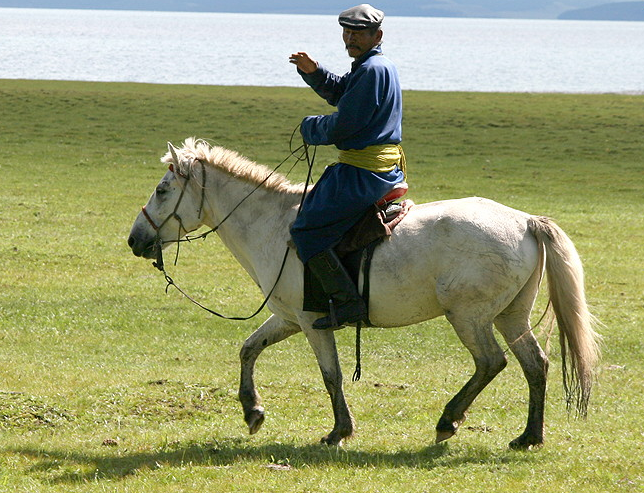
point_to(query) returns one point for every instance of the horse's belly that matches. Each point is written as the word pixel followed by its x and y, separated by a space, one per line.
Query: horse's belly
pixel 402 298
pixel 399 309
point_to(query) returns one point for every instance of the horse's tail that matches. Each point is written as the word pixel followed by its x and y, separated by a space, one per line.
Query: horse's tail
pixel 579 342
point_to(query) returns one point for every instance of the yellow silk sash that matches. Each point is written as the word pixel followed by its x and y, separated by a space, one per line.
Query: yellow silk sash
pixel 376 158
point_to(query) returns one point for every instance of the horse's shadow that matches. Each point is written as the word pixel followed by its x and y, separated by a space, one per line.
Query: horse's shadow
pixel 64 465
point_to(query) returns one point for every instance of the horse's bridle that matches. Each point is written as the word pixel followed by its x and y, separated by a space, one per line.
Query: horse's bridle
pixel 158 242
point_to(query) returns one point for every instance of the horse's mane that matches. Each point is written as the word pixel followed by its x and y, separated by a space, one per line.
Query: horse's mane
pixel 198 150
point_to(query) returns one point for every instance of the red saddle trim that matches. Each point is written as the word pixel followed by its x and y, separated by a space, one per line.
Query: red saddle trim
pixel 398 191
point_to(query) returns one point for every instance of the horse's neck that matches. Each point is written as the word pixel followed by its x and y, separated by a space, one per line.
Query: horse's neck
pixel 257 231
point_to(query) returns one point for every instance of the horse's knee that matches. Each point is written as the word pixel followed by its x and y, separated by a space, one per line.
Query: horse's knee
pixel 499 362
pixel 244 352
pixel 248 351
pixel 491 364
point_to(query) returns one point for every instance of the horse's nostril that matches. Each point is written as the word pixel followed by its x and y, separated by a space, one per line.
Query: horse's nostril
pixel 130 241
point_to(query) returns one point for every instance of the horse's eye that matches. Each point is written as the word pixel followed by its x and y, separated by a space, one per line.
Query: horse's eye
pixel 161 189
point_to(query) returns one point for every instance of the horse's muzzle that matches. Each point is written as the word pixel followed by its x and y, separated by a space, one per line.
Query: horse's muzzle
pixel 145 249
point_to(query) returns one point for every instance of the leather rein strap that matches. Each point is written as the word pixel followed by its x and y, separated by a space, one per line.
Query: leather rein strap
pixel 159 264
pixel 170 282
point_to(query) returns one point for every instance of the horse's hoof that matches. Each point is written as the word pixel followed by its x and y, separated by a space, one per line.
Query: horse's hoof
pixel 255 420
pixel 525 442
pixel 330 439
pixel 446 429
pixel 441 436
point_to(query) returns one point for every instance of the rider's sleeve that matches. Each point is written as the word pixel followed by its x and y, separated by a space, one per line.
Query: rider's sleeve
pixel 327 85
pixel 356 108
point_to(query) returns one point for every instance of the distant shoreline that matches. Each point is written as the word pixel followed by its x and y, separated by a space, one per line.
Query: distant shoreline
pixel 161 85
pixel 612 11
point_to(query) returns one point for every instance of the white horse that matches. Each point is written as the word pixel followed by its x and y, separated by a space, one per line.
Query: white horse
pixel 475 261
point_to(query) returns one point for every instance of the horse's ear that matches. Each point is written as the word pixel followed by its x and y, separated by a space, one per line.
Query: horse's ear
pixel 173 151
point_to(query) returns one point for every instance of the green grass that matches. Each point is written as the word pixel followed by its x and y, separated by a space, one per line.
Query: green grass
pixel 109 384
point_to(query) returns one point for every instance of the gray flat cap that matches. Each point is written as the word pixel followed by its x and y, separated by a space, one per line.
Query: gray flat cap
pixel 361 17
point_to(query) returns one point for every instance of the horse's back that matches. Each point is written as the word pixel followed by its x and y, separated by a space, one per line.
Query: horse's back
pixel 470 251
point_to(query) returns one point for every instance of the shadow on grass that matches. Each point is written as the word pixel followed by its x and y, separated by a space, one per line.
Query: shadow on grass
pixel 71 466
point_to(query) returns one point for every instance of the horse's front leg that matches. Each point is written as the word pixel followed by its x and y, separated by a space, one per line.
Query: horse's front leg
pixel 270 332
pixel 323 344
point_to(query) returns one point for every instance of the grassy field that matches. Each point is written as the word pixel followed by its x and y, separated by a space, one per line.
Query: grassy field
pixel 109 384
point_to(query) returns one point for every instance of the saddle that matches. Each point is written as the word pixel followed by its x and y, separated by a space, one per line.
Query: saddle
pixel 358 244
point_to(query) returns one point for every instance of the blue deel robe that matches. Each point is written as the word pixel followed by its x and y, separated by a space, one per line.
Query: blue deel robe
pixel 369 112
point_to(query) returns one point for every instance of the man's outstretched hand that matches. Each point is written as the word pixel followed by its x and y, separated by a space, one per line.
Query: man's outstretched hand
pixel 303 62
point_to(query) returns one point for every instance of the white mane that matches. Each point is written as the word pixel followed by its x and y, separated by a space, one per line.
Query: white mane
pixel 198 150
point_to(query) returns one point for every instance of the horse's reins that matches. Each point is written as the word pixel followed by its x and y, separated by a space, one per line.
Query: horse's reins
pixel 159 264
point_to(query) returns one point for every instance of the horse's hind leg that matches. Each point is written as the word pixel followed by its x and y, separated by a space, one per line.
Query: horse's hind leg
pixel 515 327
pixel 270 332
pixel 489 360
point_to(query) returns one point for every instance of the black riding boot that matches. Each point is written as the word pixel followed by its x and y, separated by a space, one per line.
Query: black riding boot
pixel 346 305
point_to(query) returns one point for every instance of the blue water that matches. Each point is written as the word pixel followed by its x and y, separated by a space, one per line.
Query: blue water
pixel 252 49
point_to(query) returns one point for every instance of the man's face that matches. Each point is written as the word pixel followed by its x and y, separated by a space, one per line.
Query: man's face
pixel 359 42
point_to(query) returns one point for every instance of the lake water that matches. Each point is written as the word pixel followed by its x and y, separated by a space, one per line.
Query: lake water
pixel 252 49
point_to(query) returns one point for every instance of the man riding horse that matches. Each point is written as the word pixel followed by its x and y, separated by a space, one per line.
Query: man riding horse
pixel 367 130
